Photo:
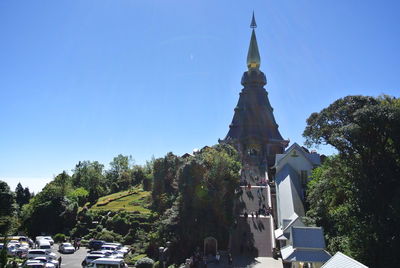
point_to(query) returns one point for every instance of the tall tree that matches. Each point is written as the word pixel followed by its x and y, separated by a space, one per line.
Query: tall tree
pixel 366 133
pixel 89 175
pixel 19 195
pixel 7 208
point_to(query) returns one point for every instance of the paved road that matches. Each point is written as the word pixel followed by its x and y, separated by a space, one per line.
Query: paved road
pixel 71 260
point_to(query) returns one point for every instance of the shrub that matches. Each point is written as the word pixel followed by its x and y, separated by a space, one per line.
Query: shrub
pixel 59 238
pixel 144 263
pixel 99 228
pixel 109 236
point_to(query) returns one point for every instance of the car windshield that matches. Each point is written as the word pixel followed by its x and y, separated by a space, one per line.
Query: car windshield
pixel 98 265
pixel 67 245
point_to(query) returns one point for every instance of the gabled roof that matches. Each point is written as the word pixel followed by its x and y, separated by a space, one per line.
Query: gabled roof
pixel 307 237
pixel 291 254
pixel 283 232
pixel 294 220
pixel 340 260
pixel 313 158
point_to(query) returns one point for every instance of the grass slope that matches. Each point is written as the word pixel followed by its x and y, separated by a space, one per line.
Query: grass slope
pixel 135 201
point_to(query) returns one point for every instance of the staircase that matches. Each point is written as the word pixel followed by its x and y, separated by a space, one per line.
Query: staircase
pixel 252 237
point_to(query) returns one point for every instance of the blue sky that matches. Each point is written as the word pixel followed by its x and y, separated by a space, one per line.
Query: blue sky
pixel 88 80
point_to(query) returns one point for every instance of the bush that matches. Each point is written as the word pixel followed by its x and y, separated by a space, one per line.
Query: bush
pixel 144 263
pixel 59 238
pixel 99 228
pixel 109 236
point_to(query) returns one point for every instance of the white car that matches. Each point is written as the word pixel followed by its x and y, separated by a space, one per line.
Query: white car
pixel 90 258
pixel 33 253
pixel 108 262
pixel 45 264
pixel 49 262
pixel 34 265
pixel 66 248
pixel 16 249
pixel 48 238
pixel 119 248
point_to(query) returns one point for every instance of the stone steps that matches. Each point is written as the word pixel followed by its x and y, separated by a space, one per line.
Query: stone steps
pixel 252 237
pixel 252 200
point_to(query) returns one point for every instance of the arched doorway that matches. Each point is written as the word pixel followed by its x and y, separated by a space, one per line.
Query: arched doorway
pixel 210 246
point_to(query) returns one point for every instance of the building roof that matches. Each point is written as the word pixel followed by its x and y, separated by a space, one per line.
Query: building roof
pixel 289 199
pixel 307 237
pixel 340 260
pixel 283 232
pixel 291 254
pixel 313 158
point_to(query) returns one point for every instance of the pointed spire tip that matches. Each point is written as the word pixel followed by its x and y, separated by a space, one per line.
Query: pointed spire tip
pixel 253 22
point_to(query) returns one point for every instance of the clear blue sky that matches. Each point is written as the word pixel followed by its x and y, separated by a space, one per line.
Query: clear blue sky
pixel 88 80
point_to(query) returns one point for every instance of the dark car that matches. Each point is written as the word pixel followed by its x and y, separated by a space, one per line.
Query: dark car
pixel 96 244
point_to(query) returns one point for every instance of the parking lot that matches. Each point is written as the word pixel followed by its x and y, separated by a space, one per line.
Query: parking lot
pixel 71 260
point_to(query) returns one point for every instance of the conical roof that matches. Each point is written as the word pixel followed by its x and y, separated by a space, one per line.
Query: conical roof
pixel 253 55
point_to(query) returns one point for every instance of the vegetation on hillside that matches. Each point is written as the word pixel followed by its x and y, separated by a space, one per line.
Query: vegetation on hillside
pixel 181 200
pixel 355 195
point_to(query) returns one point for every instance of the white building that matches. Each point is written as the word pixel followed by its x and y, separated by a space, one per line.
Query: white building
pixel 301 246
pixel 293 169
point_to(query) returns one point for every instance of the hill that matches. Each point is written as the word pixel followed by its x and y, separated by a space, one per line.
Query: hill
pixel 134 200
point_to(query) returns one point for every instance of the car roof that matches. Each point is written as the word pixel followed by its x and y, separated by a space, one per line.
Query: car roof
pixel 108 260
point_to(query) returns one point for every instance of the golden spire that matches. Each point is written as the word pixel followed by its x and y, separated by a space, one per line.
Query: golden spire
pixel 253 56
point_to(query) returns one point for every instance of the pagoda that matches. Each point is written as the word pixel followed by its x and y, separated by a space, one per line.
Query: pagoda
pixel 254 131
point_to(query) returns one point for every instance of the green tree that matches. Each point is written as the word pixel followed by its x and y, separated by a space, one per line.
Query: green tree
pixel 7 208
pixel 49 211
pixel 164 181
pixel 19 195
pixel 366 133
pixel 120 176
pixel 89 175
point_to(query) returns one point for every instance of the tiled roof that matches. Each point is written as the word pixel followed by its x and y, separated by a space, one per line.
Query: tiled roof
pixel 340 260
pixel 307 237
pixel 290 254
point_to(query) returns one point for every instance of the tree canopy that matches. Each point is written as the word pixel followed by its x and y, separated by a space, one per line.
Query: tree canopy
pixel 356 195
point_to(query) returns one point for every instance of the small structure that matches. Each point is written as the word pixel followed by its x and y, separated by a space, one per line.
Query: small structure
pixel 210 246
pixel 340 260
pixel 307 248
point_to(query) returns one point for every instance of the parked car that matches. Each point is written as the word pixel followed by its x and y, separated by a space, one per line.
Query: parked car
pixel 66 248
pixel 34 265
pixel 48 238
pixel 44 244
pixel 91 257
pixel 95 244
pixel 108 262
pixel 119 247
pixel 47 265
pixel 49 262
pixel 33 253
pixel 16 249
